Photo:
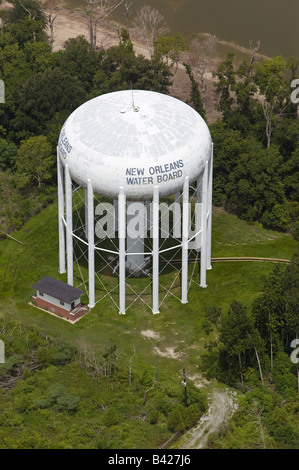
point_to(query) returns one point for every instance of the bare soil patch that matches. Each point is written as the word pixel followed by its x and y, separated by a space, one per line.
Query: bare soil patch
pixel 150 334
pixel 169 352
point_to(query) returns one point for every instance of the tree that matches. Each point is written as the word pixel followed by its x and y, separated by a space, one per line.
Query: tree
pixel 200 58
pixel 3 18
pixel 14 70
pixel 228 145
pixel 226 76
pixel 38 55
pixel 151 24
pixel 121 69
pixel 81 60
pixel 283 378
pixel 254 50
pixel 8 154
pixel 35 160
pixel 274 90
pixel 255 185
pixel 236 88
pixel 290 288
pixel 233 336
pixel 110 358
pixel 127 13
pixel 286 136
pixel 26 21
pixel 244 116
pixel 290 171
pixel 195 95
pixel 98 11
pixel 169 47
pixel 22 9
pixel 42 97
pixel 253 90
pixel 51 5
pixel 26 30
pixel 268 310
pixel 237 338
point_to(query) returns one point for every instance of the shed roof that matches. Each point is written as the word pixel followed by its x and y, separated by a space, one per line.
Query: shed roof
pixel 58 289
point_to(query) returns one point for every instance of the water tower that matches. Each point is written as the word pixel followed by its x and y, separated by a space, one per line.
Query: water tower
pixel 136 146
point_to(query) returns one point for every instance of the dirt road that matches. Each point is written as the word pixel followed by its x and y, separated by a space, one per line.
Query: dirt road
pixel 222 405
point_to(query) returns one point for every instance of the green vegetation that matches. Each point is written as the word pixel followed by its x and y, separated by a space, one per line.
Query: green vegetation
pixel 84 385
pixel 250 348
pixel 256 143
pixel 113 381
pixel 195 95
pixel 56 396
pixel 256 169
pixel 43 87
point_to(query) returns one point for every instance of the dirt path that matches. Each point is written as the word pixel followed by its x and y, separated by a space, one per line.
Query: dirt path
pixel 222 405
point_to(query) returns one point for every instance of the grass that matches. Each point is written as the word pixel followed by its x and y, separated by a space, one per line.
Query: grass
pixel 179 337
pixel 235 237
pixel 178 326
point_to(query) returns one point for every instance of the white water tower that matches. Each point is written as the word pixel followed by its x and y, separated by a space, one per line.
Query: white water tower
pixel 130 146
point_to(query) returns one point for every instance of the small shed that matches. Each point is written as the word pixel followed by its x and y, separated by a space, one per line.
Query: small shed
pixel 58 297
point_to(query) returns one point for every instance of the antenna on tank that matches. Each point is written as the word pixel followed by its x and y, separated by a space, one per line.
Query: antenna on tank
pixel 135 161
pixel 133 105
pixel 135 108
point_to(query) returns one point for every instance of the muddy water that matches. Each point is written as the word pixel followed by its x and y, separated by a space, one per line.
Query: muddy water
pixel 274 22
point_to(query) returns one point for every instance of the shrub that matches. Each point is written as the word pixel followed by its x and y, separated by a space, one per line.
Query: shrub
pixel 153 416
pixel 60 397
pixel 175 420
pixel 192 415
pixel 111 417
pixel 281 427
pixel 67 402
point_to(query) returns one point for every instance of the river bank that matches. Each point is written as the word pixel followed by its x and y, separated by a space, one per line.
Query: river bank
pixel 70 23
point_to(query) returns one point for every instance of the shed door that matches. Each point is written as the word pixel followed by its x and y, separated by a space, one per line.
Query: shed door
pixel 72 305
